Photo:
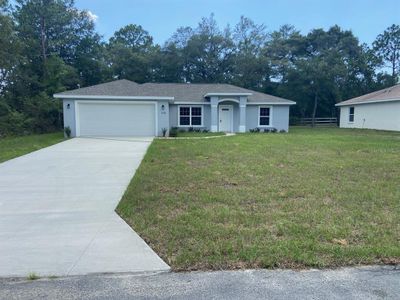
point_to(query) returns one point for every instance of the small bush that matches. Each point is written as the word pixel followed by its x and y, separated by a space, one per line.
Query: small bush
pixel 267 130
pixel 282 131
pixel 173 132
pixel 190 129
pixel 33 276
pixel 255 130
pixel 274 130
pixel 164 132
pixel 181 130
pixel 205 130
pixel 67 131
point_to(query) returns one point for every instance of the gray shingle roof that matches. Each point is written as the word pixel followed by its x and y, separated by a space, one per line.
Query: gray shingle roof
pixel 388 94
pixel 180 91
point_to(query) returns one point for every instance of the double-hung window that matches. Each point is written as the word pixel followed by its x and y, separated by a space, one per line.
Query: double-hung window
pixel 190 116
pixel 264 116
pixel 351 114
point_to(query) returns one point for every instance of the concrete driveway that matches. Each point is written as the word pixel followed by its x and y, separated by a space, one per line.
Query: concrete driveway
pixel 57 210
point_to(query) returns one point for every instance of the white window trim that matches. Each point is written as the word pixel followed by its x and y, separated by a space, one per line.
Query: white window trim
pixel 270 116
pixel 190 116
pixel 348 117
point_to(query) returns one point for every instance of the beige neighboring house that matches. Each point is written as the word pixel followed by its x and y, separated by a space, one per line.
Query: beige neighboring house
pixel 378 110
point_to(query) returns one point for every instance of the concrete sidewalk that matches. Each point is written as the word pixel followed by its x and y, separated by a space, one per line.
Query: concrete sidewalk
pixel 374 282
pixel 57 210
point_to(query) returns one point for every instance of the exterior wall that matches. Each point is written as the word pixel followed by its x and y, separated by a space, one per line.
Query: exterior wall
pixel 279 120
pixel 69 115
pixel 163 116
pixel 381 116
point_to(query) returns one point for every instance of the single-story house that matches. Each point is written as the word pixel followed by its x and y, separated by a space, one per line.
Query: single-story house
pixel 377 110
pixel 126 108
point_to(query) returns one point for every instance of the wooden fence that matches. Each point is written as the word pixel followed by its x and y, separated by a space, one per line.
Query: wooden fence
pixel 319 121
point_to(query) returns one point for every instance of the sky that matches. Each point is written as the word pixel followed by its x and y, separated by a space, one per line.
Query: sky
pixel 366 18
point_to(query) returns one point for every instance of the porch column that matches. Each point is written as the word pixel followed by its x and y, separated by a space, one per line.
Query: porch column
pixel 242 113
pixel 214 114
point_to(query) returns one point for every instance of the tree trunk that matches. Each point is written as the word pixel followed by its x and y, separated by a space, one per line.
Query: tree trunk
pixel 314 109
pixel 43 37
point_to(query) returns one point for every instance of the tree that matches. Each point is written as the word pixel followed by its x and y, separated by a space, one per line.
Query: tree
pixel 130 53
pixel 387 48
pixel 249 66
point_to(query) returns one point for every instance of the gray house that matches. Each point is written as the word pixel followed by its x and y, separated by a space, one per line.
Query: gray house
pixel 126 108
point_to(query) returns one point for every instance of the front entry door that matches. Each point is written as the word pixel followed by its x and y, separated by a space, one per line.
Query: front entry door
pixel 225 118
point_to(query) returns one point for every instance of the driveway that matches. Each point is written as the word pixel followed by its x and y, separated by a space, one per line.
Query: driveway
pixel 57 210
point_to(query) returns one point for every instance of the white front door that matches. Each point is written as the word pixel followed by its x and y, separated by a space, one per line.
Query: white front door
pixel 226 118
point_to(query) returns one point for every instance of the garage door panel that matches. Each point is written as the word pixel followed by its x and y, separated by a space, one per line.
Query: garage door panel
pixel 116 119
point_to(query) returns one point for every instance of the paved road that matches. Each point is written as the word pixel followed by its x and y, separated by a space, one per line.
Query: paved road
pixel 57 210
pixel 376 282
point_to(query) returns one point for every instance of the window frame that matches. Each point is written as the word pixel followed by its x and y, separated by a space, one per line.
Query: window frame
pixel 351 115
pixel 190 115
pixel 270 116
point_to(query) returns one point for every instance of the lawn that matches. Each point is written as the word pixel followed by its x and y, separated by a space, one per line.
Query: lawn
pixel 11 147
pixel 310 198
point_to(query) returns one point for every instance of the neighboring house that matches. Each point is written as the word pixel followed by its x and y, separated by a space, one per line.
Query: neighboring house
pixel 377 110
pixel 126 108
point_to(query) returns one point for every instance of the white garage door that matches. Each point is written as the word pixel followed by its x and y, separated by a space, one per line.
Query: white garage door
pixel 103 118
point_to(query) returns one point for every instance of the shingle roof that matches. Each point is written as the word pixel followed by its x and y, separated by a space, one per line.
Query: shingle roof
pixel 388 94
pixel 180 91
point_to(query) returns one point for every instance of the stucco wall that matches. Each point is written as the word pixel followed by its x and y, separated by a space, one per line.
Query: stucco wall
pixel 69 115
pixel 382 116
pixel 279 120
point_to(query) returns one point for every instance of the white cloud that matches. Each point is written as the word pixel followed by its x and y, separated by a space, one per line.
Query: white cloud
pixel 92 16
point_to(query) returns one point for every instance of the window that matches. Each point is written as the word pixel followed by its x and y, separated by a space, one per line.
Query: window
pixel 264 116
pixel 190 116
pixel 351 114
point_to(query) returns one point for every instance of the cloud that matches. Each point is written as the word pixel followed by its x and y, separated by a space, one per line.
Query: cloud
pixel 92 16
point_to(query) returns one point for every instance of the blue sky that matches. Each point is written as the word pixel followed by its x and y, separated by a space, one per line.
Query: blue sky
pixel 366 18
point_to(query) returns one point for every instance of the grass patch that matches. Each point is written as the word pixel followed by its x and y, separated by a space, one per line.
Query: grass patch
pixel 198 134
pixel 11 147
pixel 33 276
pixel 321 197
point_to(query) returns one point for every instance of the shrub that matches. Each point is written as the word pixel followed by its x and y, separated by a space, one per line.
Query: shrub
pixel 164 132
pixel 205 130
pixel 274 130
pixel 190 129
pixel 267 130
pixel 173 132
pixel 282 131
pixel 67 131
pixel 181 130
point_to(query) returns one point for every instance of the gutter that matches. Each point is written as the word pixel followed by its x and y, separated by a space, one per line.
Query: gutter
pixel 367 102
pixel 61 96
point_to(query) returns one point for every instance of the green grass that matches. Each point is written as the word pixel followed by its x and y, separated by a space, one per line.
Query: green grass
pixel 198 134
pixel 11 147
pixel 311 198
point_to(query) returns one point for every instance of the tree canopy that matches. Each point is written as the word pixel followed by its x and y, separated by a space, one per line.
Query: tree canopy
pixel 48 46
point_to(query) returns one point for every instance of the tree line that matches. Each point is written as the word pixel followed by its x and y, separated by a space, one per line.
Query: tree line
pixel 48 46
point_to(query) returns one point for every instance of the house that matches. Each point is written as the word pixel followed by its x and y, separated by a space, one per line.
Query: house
pixel 126 108
pixel 377 110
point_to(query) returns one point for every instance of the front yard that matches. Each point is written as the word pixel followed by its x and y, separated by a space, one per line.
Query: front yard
pixel 11 147
pixel 310 198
